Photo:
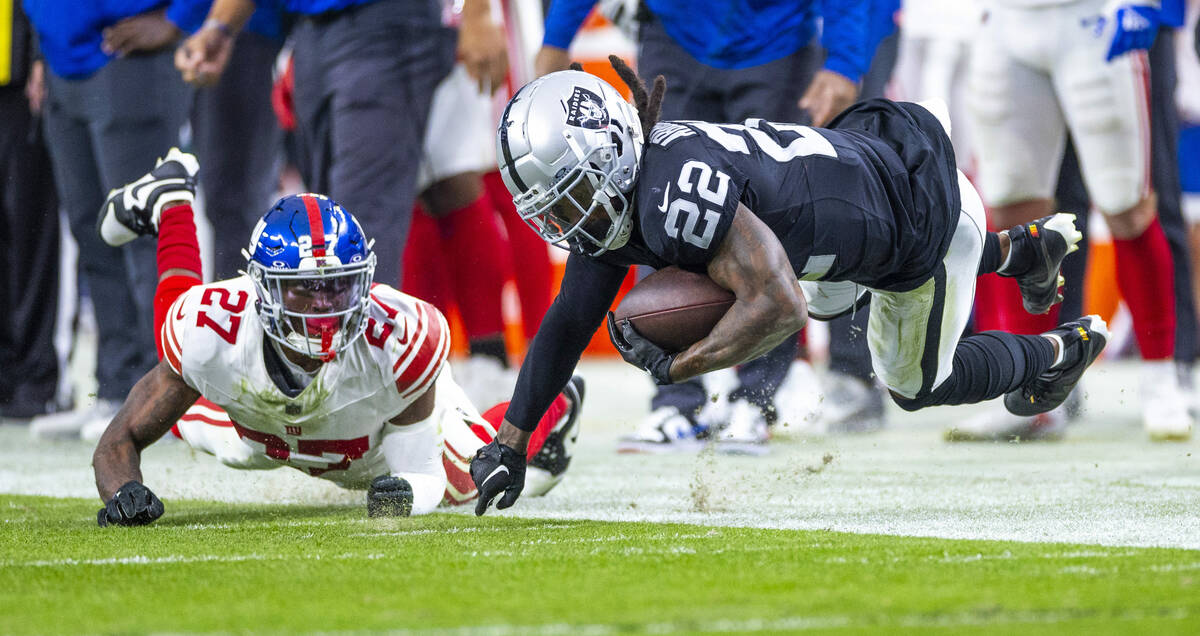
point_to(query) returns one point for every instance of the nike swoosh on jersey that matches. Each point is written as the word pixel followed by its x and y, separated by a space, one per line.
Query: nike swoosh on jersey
pixel 493 474
pixel 666 195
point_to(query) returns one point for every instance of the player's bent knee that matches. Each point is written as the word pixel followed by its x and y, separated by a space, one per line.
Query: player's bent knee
pixel 1132 220
pixel 914 403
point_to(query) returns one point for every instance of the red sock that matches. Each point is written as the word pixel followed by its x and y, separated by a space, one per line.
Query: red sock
pixel 1146 280
pixel 165 294
pixel 998 307
pixel 475 257
pixel 177 244
pixel 558 408
pixel 425 274
pixel 532 270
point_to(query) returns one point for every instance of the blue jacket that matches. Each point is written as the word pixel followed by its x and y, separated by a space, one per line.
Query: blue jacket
pixel 189 15
pixel 313 7
pixel 70 38
pixel 731 34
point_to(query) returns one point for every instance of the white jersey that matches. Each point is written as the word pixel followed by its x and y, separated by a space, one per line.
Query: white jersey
pixel 335 427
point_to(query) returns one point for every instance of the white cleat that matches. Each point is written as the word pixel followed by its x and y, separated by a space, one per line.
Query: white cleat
pixel 134 209
pixel 998 425
pixel 86 423
pixel 665 430
pixel 485 380
pixel 1164 404
pixel 745 433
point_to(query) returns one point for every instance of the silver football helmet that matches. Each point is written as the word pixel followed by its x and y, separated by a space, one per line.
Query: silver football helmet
pixel 569 147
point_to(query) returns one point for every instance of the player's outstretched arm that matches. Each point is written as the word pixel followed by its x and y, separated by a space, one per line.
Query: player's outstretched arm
pixel 153 406
pixel 770 305
pixel 203 56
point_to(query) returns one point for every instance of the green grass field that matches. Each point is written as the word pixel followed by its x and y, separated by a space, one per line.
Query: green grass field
pixel 208 567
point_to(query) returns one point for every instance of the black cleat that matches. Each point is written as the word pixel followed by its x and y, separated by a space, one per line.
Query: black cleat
pixel 389 496
pixel 555 455
pixel 133 210
pixel 1041 246
pixel 1083 340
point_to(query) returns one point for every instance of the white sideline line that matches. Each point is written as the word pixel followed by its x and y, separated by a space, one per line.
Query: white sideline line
pixel 197 558
pixel 796 623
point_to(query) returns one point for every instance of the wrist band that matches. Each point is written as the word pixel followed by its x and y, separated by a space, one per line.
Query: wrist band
pixel 213 23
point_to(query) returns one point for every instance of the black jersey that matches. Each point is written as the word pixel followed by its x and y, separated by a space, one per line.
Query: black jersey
pixel 873 199
pixel 846 203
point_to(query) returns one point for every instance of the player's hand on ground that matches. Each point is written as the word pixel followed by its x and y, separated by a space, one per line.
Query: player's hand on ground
pixel 1135 24
pixel 550 59
pixel 639 351
pixel 829 94
pixel 132 505
pixel 389 496
pixel 497 468
pixel 148 31
pixel 483 51
pixel 203 56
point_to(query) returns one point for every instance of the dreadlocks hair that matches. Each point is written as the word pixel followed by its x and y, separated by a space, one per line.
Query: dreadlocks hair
pixel 648 106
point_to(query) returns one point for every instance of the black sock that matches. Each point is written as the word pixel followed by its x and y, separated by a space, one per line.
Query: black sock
pixel 988 365
pixel 991 260
pixel 490 346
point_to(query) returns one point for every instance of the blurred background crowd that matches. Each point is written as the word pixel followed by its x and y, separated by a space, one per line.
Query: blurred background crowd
pixel 390 107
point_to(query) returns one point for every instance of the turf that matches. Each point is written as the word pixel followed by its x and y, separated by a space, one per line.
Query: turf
pixel 208 567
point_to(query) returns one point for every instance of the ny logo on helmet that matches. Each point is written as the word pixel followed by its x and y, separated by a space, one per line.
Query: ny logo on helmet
pixel 585 109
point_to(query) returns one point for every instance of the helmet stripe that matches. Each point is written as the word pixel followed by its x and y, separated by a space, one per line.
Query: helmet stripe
pixel 316 227
pixel 508 158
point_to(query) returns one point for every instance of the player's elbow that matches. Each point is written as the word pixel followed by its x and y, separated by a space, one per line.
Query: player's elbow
pixel 789 311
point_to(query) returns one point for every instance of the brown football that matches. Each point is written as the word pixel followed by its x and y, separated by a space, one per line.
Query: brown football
pixel 674 308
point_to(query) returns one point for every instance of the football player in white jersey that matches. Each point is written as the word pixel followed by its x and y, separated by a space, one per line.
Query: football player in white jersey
pixel 1040 69
pixel 301 361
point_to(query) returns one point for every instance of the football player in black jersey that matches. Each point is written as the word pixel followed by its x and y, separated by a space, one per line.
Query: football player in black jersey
pixel 795 221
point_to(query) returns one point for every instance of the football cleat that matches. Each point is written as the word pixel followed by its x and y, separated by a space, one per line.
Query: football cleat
pixel 1082 341
pixel 133 209
pixel 1041 247
pixel 1164 404
pixel 665 430
pixel 389 496
pixel 850 405
pixel 550 463
pixel 1002 426
pixel 745 433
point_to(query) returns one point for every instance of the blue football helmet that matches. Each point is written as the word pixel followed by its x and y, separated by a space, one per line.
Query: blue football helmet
pixel 312 268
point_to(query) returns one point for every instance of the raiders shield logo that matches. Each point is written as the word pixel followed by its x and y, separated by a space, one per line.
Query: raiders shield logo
pixel 585 109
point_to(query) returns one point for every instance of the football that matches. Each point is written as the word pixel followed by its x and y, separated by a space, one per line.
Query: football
pixel 674 308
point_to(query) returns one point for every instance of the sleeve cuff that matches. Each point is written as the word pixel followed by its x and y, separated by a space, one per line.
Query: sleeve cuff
pixel 843 67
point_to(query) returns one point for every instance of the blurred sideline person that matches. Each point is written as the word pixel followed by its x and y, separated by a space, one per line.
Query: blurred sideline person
pixel 851 397
pixel 28 209
pixel 112 99
pixel 365 75
pixel 457 253
pixel 235 133
pixel 794 221
pixel 1080 65
pixel 762 64
pixel 302 362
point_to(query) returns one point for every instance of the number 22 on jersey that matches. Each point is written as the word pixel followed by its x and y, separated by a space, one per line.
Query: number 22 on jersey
pixel 700 175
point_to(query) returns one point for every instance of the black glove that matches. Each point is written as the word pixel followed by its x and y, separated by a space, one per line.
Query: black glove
pixel 389 496
pixel 132 505
pixel 497 468
pixel 640 352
